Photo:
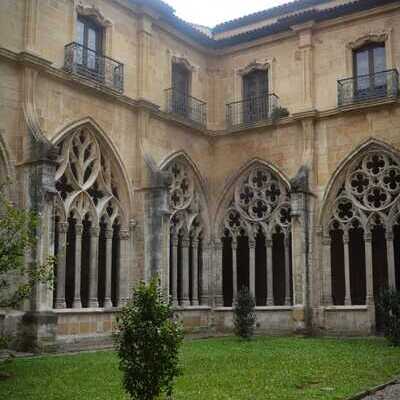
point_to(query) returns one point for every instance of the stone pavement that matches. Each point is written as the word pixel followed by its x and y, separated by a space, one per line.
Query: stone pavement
pixel 391 392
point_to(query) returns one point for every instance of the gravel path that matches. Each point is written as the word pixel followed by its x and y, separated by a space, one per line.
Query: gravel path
pixel 390 393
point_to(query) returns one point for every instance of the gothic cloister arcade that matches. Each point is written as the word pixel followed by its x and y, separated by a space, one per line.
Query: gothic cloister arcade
pixel 361 228
pixel 255 234
pixel 189 234
pixel 91 225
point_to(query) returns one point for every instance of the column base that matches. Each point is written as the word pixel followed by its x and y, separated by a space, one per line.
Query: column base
pixel 108 303
pixel 61 304
pixel 270 302
pixel 195 303
pixel 185 303
pixel 93 304
pixel 288 301
pixel 347 302
pixel 77 303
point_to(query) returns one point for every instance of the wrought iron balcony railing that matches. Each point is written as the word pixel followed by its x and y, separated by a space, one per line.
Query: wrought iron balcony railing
pixel 83 61
pixel 186 106
pixel 383 84
pixel 251 110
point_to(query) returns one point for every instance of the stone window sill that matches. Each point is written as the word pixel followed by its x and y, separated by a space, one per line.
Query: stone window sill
pixel 347 308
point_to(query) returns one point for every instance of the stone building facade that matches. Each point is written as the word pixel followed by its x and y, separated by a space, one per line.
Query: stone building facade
pixel 264 152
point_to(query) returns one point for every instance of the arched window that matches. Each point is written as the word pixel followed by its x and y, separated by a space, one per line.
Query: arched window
pixel 188 239
pixel 88 224
pixel 256 239
pixel 361 233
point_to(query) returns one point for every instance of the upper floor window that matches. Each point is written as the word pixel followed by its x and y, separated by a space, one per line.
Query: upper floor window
pixel 180 89
pixel 369 66
pixel 89 36
pixel 255 96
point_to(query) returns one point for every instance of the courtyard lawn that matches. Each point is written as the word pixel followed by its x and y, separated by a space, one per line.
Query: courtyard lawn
pixel 265 368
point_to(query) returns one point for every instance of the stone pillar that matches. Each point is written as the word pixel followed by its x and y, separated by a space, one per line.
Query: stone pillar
pixel 252 267
pixel 185 300
pixel 195 272
pixel 219 297
pixel 93 274
pixel 270 273
pixel 78 260
pixel 287 270
pixel 61 264
pixel 326 271
pixel 369 267
pixel 205 281
pixel 234 269
pixel 123 266
pixel 390 258
pixel 109 241
pixel 174 270
pixel 347 297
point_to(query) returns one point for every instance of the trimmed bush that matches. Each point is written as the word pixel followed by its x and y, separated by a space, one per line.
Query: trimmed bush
pixel 389 306
pixel 147 343
pixel 244 314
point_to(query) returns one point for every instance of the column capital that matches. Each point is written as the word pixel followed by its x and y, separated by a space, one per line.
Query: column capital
pixel 175 240
pixel 389 235
pixel 326 241
pixel 252 244
pixel 62 227
pixel 195 243
pixel 124 234
pixel 268 242
pixel 109 233
pixel 78 229
pixel 95 231
pixel 234 243
pixel 346 237
pixel 217 244
pixel 185 241
pixel 368 236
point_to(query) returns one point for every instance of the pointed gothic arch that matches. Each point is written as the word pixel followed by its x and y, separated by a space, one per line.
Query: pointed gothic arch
pixel 360 227
pixel 189 231
pixel 91 219
pixel 254 228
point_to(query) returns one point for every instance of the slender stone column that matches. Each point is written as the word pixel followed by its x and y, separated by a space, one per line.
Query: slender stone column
pixel 234 268
pixel 270 273
pixel 369 267
pixel 287 270
pixel 195 272
pixel 122 265
pixel 78 260
pixel 185 300
pixel 327 271
pixel 205 278
pixel 174 270
pixel 219 297
pixel 93 274
pixel 347 297
pixel 390 259
pixel 61 264
pixel 109 239
pixel 252 267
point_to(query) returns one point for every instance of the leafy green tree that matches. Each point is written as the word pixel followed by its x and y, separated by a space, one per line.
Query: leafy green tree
pixel 147 341
pixel 389 305
pixel 17 238
pixel 244 315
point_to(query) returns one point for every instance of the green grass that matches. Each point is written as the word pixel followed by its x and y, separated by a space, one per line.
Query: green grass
pixel 265 368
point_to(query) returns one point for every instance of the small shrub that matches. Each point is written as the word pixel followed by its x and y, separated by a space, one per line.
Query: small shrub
pixel 389 306
pixel 279 112
pixel 244 314
pixel 147 342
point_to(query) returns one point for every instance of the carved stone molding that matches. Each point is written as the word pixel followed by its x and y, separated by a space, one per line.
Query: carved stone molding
pixel 93 12
pixel 370 37
pixel 254 66
pixel 183 61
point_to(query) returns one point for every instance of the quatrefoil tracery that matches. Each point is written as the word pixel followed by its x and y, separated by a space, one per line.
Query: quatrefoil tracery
pixel 260 202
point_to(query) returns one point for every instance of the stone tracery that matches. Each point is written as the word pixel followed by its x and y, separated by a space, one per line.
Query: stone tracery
pixel 89 222
pixel 187 237
pixel 363 210
pixel 260 213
